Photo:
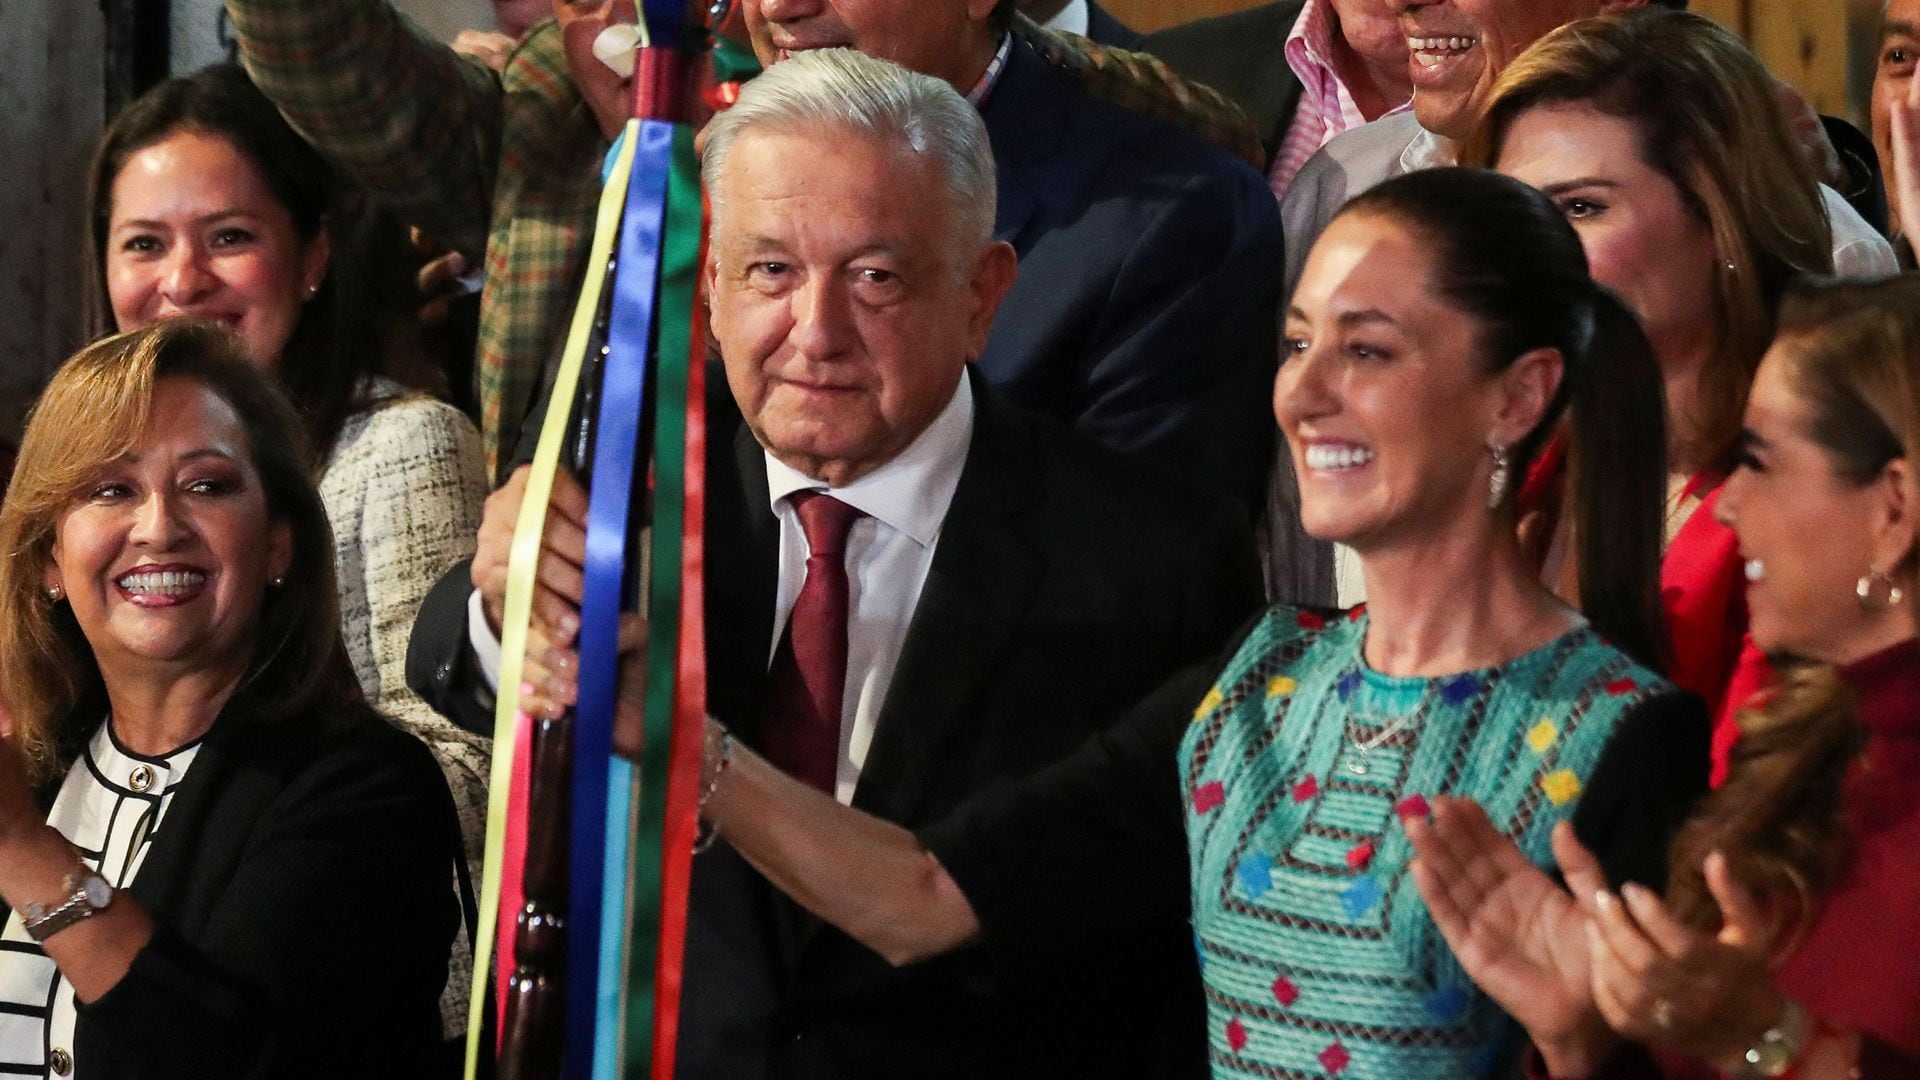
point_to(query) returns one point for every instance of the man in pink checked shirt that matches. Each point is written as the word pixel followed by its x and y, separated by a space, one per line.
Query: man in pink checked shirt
pixel 1339 64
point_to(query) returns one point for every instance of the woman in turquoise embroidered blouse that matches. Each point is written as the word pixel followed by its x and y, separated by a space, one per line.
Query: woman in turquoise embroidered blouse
pixel 1444 324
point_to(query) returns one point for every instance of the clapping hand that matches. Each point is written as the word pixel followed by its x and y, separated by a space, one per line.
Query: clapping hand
pixel 1520 936
pixel 1662 983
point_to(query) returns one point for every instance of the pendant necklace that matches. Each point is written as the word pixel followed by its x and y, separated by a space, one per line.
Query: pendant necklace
pixel 1364 748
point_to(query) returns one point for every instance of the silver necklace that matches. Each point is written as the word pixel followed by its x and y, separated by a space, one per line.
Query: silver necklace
pixel 1362 757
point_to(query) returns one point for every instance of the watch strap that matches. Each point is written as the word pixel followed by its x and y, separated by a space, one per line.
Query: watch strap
pixel 1780 1049
pixel 41 922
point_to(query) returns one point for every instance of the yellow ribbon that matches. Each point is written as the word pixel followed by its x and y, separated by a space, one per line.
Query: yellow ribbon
pixel 523 562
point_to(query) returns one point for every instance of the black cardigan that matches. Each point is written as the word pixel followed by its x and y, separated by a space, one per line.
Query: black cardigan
pixel 302 890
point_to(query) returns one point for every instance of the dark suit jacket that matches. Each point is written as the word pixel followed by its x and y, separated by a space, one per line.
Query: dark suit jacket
pixel 1145 311
pixel 1067 583
pixel 302 890
pixel 1239 54
pixel 1107 30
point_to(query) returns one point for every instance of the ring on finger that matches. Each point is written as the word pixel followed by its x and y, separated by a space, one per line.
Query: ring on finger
pixel 1663 1014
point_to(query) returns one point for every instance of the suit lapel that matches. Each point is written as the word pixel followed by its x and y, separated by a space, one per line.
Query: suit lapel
pixel 1026 120
pixel 743 552
pixel 971 610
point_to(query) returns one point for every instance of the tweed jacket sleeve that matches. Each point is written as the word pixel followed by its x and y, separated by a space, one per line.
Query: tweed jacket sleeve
pixel 404 492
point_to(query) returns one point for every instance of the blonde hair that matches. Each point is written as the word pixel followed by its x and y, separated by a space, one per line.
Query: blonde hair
pixel 95 411
pixel 1708 119
pixel 1853 357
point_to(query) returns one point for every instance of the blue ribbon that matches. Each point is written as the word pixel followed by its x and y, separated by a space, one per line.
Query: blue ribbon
pixel 615 475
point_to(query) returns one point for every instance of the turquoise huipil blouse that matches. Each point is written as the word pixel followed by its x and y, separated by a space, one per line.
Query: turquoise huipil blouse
pixel 1317 954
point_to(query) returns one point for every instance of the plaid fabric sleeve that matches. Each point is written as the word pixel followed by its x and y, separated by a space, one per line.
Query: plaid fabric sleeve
pixel 1143 84
pixel 409 119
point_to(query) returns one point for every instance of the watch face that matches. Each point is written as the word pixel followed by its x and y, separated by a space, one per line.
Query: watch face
pixel 99 894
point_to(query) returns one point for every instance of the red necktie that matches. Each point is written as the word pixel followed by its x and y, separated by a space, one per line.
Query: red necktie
pixel 809 675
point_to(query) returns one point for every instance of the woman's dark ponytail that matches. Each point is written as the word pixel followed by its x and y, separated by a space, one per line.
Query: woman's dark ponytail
pixel 1617 456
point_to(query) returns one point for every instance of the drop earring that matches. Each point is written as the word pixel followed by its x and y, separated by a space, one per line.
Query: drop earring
pixel 1497 487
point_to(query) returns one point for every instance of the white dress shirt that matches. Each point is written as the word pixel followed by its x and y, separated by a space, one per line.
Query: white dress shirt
pixel 888 554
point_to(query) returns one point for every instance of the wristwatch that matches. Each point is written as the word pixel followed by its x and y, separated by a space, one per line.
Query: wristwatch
pixel 1779 1049
pixel 88 894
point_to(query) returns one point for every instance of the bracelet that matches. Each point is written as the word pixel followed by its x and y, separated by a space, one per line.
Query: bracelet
pixel 716 753
pixel 1782 1050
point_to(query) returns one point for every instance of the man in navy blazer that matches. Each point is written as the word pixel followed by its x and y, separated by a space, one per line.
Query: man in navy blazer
pixel 1145 310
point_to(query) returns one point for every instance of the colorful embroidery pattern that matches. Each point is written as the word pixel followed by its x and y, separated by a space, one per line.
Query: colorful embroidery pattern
pixel 1319 958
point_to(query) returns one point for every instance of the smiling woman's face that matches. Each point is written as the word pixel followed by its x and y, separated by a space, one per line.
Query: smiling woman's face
pixel 1642 239
pixel 1382 393
pixel 166 556
pixel 1807 534
pixel 194 230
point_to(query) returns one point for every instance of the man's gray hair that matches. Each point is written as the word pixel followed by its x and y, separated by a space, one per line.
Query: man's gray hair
pixel 828 90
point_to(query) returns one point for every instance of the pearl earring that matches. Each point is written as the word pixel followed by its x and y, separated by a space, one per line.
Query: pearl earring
pixel 55 594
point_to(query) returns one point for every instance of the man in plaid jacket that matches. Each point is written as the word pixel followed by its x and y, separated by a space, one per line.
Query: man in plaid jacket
pixel 1151 256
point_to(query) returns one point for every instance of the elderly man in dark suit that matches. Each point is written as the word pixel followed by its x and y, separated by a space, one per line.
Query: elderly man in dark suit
pixel 1149 259
pixel 1145 317
pixel 915 590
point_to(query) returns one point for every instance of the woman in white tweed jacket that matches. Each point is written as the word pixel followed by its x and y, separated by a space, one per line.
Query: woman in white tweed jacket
pixel 205 204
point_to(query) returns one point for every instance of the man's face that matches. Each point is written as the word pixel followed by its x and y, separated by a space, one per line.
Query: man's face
pixel 1460 47
pixel 608 94
pixel 845 308
pixel 934 37
pixel 1892 76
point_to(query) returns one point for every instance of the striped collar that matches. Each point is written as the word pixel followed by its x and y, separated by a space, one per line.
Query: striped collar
pixel 977 97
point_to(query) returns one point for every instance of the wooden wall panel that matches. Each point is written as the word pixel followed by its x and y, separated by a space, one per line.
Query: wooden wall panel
pixel 1806 42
